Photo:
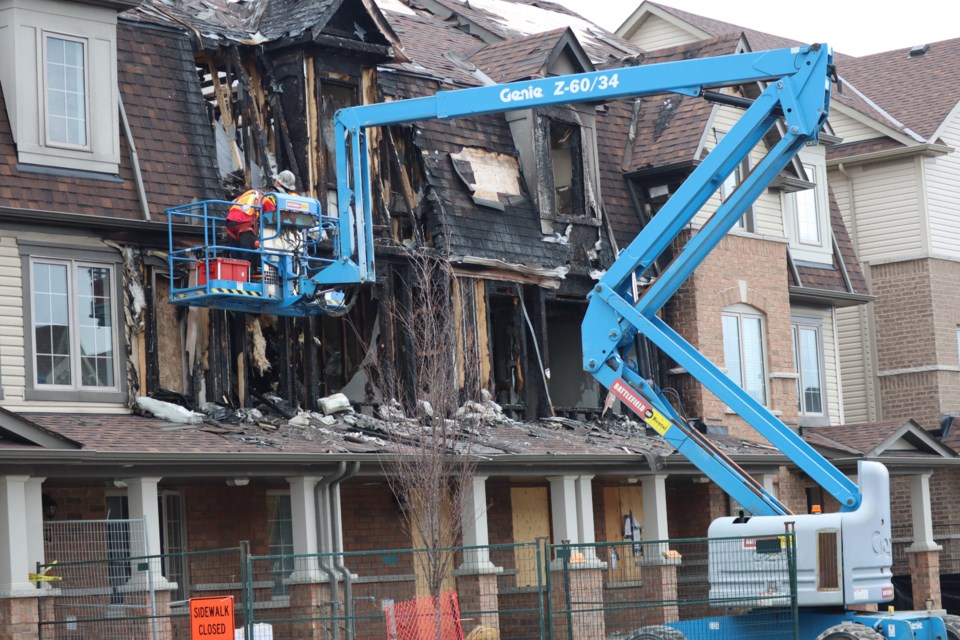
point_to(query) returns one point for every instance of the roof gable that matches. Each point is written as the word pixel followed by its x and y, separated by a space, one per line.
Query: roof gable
pixel 887 438
pixel 19 430
pixel 538 56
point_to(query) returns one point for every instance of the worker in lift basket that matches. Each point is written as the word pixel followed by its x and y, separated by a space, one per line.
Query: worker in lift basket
pixel 243 219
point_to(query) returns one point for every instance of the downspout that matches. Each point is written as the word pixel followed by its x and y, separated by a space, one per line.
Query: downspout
pixel 134 159
pixel 336 529
pixel 321 498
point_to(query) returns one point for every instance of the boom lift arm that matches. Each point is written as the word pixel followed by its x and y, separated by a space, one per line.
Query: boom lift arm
pixel 798 91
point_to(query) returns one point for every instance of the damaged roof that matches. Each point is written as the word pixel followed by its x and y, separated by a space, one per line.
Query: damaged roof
pixel 435 49
pixel 481 431
pixel 510 232
pixel 509 19
pixel 667 128
pixel 168 121
pixel 259 21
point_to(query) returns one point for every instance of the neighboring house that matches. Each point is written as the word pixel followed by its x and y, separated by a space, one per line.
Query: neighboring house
pixel 890 166
pixel 122 117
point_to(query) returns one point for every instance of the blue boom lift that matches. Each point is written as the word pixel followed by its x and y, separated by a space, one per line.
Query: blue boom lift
pixel 310 260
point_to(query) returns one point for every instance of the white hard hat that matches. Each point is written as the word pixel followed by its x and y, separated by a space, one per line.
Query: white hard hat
pixel 286 180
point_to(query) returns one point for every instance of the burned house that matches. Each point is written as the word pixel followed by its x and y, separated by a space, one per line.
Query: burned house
pixel 524 210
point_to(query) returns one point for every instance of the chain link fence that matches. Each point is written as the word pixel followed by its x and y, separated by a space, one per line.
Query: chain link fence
pixel 126 596
pixel 669 590
pixel 351 596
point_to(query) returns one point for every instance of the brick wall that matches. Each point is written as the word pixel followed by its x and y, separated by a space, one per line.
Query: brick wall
pixel 371 518
pixel 750 271
pixel 917 315
pixel 692 506
pixel 218 516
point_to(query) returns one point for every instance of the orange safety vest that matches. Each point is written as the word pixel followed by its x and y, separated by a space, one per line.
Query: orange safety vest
pixel 242 216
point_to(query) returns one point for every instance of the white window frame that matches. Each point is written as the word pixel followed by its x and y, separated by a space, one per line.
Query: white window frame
pixel 76 377
pixel 85 43
pixel 730 184
pixel 810 418
pixel 820 252
pixel 739 312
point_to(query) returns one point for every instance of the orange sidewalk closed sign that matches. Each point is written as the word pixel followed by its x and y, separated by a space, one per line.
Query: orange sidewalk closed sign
pixel 211 618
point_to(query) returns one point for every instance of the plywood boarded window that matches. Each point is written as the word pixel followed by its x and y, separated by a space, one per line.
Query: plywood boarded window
pixel 618 504
pixel 531 520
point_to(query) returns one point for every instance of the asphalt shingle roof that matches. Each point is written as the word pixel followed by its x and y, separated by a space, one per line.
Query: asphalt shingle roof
pixel 431 46
pixel 519 58
pixel 918 91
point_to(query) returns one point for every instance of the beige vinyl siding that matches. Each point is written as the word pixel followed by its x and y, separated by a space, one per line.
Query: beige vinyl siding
pixel 831 373
pixel 767 210
pixel 657 33
pixel 942 175
pixel 850 129
pixel 12 369
pixel 856 366
pixel 886 218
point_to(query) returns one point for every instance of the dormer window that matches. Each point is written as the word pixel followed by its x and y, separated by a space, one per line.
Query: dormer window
pixel 58 71
pixel 807 213
pixel 66 85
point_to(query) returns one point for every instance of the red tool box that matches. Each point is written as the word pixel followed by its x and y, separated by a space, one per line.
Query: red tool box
pixel 223 269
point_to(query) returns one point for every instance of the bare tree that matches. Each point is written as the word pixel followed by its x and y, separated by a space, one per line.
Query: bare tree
pixel 432 461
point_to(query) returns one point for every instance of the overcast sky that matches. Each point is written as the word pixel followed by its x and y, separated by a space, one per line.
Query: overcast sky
pixel 854 27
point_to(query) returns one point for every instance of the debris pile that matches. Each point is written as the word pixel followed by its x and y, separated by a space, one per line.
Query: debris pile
pixel 478 428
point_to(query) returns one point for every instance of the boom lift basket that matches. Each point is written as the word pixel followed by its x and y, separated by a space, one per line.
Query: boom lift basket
pixel 296 248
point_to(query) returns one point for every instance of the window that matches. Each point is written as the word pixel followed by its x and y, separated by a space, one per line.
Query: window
pixel 807 215
pixel 728 186
pixel 280 526
pixel 59 72
pixel 74 350
pixel 808 360
pixel 73 325
pixel 66 93
pixel 743 350
pixel 567 168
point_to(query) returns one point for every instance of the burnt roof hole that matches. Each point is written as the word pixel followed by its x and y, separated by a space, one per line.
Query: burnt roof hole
pixel 919 50
pixel 668 109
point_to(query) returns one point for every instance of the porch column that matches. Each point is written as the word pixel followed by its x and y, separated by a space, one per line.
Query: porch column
pixel 143 504
pixel 473 523
pixel 659 567
pixel 563 505
pixel 14 546
pixel 477 586
pixel 34 498
pixel 303 516
pixel 655 507
pixel 924 553
pixel 577 578
pixel 586 529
